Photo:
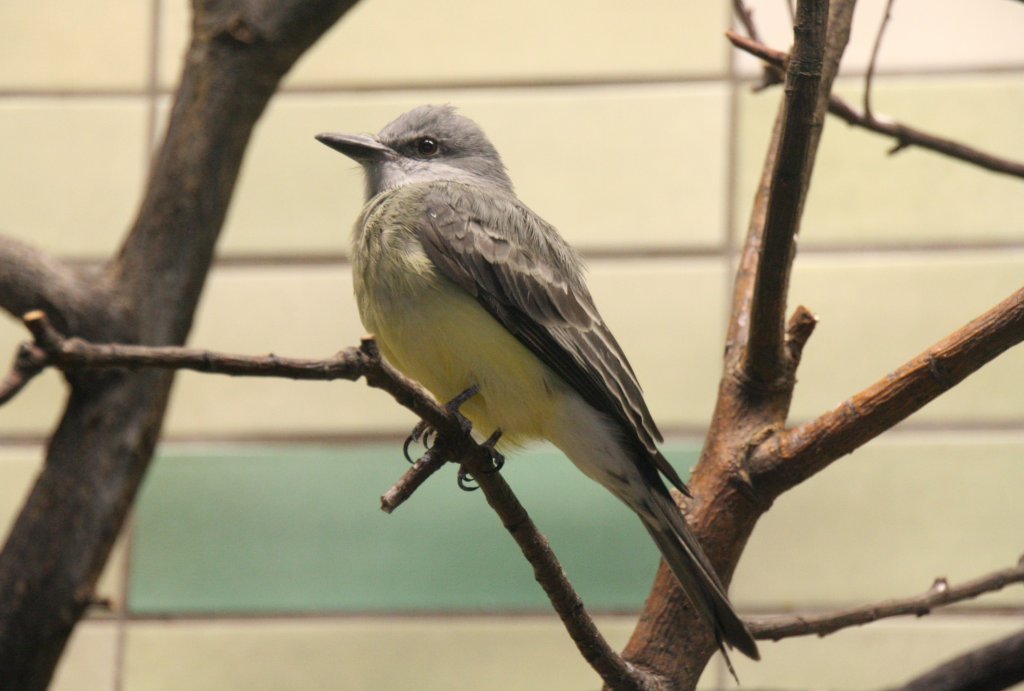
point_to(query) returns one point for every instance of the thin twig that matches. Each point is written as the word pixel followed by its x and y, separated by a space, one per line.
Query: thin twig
pixel 788 458
pixel 425 466
pixel 798 331
pixel 904 135
pixel 941 593
pixel 769 74
pixel 875 50
pixel 764 360
pixel 453 441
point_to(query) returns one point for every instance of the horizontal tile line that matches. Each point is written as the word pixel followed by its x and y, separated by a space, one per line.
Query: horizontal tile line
pixel 807 248
pixel 957 612
pixel 639 80
pixel 675 433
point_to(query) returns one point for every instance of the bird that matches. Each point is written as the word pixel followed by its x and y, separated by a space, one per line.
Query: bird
pixel 480 300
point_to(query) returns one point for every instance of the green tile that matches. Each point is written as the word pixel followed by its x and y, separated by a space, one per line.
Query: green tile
pixel 299 529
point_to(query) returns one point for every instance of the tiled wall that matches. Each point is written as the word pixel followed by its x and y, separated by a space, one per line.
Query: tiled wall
pixel 257 557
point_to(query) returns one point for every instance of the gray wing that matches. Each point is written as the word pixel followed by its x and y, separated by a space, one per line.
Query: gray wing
pixel 523 274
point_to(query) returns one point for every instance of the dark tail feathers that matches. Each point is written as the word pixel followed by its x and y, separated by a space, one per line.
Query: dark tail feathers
pixel 691 567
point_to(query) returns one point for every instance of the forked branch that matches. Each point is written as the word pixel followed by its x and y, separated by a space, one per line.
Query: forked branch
pixel 764 359
pixel 790 457
pixel 904 135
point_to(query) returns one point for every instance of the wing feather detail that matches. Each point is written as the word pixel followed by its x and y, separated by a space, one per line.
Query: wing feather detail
pixel 521 271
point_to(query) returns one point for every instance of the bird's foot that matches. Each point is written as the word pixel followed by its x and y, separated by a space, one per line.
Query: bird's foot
pixel 425 433
pixel 466 480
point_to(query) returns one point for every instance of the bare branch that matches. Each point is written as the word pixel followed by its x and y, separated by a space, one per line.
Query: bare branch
pixel 904 135
pixel 940 594
pixel 454 443
pixel 31 279
pixel 769 75
pixel 764 359
pixel 872 63
pixel 51 349
pixel 100 451
pixel 431 462
pixel 995 666
pixel 792 456
pixel 798 331
pixel 616 672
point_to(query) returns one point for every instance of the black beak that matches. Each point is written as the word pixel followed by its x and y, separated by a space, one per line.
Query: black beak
pixel 358 147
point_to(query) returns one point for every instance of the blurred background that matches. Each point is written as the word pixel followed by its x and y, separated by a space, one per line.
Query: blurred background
pixel 257 556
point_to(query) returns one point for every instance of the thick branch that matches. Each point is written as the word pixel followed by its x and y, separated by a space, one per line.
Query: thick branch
pixel 904 135
pixel 792 456
pixel 724 510
pixel 939 595
pixel 98 455
pixel 995 666
pixel 31 279
pixel 764 360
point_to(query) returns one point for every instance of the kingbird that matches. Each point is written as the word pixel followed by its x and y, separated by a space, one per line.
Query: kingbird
pixel 467 289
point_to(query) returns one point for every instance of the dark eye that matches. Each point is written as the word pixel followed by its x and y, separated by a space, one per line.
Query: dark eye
pixel 427 146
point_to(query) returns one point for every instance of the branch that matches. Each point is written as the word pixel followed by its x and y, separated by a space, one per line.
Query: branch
pixel 51 349
pixel 99 453
pixel 904 135
pixel 764 360
pixel 788 458
pixel 453 443
pixel 32 279
pixel 873 62
pixel 997 665
pixel 431 462
pixel 940 594
pixel 616 672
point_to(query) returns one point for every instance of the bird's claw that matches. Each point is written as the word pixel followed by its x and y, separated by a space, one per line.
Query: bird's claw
pixel 466 480
pixel 422 433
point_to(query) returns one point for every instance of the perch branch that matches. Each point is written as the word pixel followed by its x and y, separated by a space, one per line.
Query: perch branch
pixel 998 665
pixel 940 594
pixel 51 349
pixel 764 360
pixel 792 456
pixel 904 135
pixel 431 462
pixel 454 442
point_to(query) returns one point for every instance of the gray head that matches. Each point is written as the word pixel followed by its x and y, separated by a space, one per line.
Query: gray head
pixel 426 144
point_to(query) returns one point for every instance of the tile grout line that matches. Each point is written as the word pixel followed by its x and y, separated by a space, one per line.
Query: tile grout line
pixel 128 530
pixel 569 82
